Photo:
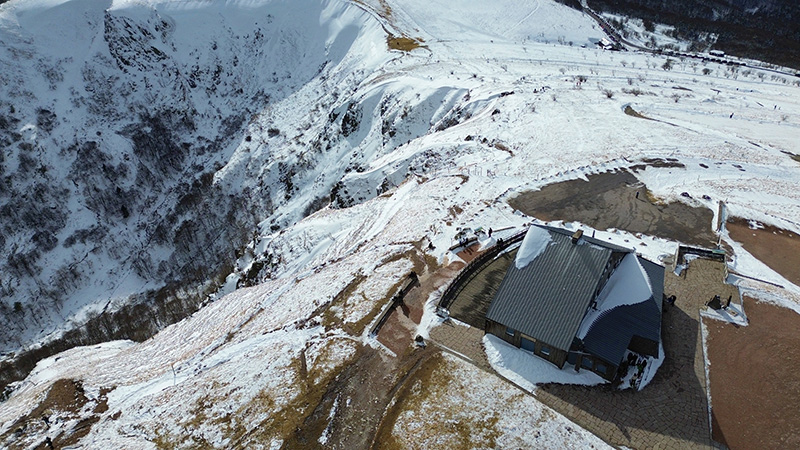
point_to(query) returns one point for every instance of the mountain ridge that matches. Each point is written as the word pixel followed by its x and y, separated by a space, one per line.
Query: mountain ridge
pixel 364 167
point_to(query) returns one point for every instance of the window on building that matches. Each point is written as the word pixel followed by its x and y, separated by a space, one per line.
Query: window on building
pixel 586 363
pixel 545 350
pixel 601 368
pixel 509 331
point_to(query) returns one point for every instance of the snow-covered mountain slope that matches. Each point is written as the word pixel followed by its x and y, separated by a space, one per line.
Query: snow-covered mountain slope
pixel 143 141
pixel 414 146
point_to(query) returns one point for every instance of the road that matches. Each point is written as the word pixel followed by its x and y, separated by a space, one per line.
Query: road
pixel 615 37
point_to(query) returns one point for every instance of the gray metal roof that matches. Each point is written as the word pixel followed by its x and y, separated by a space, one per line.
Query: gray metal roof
pixel 587 238
pixel 548 298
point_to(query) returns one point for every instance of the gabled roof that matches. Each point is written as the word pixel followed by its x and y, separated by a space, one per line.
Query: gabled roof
pixel 656 274
pixel 547 299
pixel 612 332
pixel 629 305
pixel 585 238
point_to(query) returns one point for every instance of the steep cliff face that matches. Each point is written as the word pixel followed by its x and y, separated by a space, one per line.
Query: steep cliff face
pixel 146 144
pixel 141 146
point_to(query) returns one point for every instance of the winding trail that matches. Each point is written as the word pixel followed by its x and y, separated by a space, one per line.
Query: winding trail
pixel 527 16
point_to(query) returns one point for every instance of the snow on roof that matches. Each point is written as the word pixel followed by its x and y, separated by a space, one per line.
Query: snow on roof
pixel 534 243
pixel 628 285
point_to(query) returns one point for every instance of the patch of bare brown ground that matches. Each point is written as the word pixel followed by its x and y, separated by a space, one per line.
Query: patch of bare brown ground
pixel 469 253
pixel 777 248
pixel 399 331
pixel 64 400
pixel 368 385
pixel 754 376
pixel 619 200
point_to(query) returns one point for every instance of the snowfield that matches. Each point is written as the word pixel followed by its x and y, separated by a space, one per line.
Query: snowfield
pixel 410 146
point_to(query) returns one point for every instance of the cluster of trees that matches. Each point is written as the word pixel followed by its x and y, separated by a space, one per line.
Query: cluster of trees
pixel 760 29
pixel 138 320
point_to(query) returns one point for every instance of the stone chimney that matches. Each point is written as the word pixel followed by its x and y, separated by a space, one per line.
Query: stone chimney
pixel 576 236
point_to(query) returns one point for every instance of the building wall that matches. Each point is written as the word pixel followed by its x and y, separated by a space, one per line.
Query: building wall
pixel 643 346
pixel 595 364
pixel 557 356
pixel 543 350
pixel 499 330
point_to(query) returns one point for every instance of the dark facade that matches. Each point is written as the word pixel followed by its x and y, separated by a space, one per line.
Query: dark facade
pixel 516 338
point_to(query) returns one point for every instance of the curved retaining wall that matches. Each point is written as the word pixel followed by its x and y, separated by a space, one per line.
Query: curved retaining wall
pixel 475 266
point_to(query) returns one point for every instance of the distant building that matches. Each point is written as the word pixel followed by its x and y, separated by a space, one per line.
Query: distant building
pixel 570 298
pixel 605 44
pixel 717 53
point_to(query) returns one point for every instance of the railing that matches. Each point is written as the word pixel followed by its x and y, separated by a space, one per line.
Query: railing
pixel 475 266
pixel 410 283
pixel 715 254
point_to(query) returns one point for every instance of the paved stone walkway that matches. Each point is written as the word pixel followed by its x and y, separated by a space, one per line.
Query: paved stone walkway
pixel 672 411
pixel 462 339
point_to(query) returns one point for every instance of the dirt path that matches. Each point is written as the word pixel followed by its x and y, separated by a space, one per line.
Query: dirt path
pixel 399 331
pixel 358 397
pixel 755 387
pixel 777 248
pixel 353 410
pixel 609 200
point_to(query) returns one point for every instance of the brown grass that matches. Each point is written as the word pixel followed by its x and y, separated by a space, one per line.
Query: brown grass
pixel 403 43
pixel 633 113
pixel 65 399
pixel 794 156
pixel 357 328
pixel 652 198
pixel 330 319
pixel 429 385
pixel 279 423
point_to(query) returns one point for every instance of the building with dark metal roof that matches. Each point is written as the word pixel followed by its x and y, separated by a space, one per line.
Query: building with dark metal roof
pixel 569 303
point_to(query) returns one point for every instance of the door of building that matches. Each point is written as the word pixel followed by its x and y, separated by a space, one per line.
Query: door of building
pixel 527 344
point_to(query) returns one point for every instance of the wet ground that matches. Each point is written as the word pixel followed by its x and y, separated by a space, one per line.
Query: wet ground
pixel 777 248
pixel 755 387
pixel 618 200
